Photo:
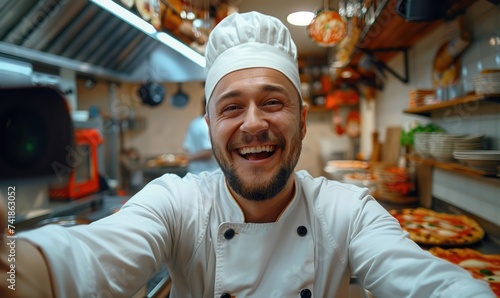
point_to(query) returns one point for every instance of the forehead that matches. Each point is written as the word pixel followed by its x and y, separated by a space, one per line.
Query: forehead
pixel 252 79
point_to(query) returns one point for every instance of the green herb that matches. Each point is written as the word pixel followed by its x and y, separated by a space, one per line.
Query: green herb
pixel 486 272
pixel 407 137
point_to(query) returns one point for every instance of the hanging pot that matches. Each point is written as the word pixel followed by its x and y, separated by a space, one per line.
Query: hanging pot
pixel 151 93
pixel 179 99
pixel 327 28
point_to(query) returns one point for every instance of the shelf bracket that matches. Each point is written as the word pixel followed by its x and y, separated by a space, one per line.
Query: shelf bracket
pixel 380 64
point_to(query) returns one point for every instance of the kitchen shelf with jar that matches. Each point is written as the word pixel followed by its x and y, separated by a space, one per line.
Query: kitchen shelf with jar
pixel 427 110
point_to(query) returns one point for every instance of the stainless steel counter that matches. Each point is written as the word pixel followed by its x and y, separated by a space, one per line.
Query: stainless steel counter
pixel 58 208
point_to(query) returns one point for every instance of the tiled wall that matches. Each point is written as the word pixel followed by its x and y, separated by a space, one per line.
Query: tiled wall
pixel 481 199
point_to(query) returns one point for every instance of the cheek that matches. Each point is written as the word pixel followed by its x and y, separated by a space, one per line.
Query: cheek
pixel 221 132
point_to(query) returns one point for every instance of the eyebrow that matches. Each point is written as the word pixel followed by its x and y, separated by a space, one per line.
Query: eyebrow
pixel 264 88
pixel 272 88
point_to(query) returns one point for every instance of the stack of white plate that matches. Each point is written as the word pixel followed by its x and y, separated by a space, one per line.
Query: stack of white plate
pixel 421 143
pixel 470 142
pixel 484 160
pixel 487 83
pixel 441 145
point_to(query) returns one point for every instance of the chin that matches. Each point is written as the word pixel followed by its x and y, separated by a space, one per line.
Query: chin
pixel 258 189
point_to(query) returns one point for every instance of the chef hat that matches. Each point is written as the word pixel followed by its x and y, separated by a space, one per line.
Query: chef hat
pixel 249 40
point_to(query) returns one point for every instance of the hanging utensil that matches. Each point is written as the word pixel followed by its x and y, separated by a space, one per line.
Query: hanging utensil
pixel 179 99
pixel 151 92
pixel 328 27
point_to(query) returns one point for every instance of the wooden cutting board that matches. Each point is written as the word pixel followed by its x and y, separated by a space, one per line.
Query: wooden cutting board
pixel 391 146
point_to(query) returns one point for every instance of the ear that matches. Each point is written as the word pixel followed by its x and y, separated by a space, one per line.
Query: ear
pixel 303 118
pixel 208 124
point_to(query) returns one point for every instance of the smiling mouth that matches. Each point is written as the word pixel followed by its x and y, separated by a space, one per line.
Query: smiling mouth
pixel 257 152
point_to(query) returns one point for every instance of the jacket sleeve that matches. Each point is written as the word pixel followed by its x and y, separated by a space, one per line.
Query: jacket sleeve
pixel 112 257
pixel 389 264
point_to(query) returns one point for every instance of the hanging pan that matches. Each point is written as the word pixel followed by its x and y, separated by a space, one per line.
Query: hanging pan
pixel 180 99
pixel 327 28
pixel 151 93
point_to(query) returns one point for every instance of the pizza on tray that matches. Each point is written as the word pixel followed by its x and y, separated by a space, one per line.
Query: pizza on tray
pixel 481 266
pixel 428 227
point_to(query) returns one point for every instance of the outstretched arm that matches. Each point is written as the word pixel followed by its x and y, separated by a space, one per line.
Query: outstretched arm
pixel 22 266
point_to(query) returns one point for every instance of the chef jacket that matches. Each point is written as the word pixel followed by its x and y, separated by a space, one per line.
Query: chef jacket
pixel 329 232
pixel 198 139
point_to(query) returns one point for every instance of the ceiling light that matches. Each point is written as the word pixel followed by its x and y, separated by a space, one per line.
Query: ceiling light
pixel 126 15
pixel 300 18
pixel 147 28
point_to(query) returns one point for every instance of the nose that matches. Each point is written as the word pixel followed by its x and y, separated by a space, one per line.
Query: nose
pixel 254 121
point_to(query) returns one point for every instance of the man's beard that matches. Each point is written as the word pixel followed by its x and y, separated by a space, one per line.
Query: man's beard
pixel 261 190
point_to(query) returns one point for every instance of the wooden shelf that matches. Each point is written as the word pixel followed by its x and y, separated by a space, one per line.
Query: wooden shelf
pixel 428 109
pixel 456 167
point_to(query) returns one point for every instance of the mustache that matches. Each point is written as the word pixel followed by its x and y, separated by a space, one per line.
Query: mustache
pixel 261 137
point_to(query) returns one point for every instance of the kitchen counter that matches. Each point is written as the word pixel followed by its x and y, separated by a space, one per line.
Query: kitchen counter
pixel 58 208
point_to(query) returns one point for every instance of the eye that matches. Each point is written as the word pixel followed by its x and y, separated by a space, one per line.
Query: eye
pixel 273 104
pixel 230 109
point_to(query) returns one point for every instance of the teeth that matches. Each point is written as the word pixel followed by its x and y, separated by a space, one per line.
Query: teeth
pixel 257 149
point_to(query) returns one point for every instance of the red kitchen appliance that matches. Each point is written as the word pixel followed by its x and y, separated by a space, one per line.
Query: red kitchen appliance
pixel 83 172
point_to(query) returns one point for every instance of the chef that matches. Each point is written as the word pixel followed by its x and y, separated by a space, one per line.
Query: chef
pixel 254 227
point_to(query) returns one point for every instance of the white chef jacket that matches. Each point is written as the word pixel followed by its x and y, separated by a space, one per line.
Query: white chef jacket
pixel 329 232
pixel 198 139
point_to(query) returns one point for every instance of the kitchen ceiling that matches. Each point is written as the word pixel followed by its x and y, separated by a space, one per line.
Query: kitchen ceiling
pixel 79 35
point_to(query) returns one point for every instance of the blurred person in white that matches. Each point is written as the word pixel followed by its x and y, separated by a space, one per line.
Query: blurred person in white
pixel 198 147
pixel 253 228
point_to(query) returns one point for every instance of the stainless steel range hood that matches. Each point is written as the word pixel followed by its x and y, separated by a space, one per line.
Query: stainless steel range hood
pixel 80 36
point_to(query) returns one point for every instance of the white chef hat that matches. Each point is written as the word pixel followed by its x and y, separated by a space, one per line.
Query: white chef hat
pixel 249 40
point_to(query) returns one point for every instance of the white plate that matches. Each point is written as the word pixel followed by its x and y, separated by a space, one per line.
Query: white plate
pixel 477 154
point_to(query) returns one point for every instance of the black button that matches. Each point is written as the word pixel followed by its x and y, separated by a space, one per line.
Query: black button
pixel 302 231
pixel 225 295
pixel 305 293
pixel 229 234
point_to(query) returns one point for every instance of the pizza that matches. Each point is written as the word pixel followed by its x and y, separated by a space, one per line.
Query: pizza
pixel 428 227
pixel 481 266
